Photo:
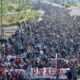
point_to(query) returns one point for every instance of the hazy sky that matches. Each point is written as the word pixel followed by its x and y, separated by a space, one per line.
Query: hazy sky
pixel 74 0
pixel 65 0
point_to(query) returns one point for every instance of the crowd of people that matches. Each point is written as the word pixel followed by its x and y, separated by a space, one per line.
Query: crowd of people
pixel 36 44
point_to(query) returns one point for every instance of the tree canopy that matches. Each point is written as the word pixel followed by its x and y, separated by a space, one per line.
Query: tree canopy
pixel 4 6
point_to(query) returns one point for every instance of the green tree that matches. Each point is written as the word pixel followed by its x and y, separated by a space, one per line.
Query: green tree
pixel 4 5
pixel 3 10
pixel 24 5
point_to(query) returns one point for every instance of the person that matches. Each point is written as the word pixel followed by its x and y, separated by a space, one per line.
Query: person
pixel 74 72
pixel 69 75
pixel 11 77
pixel 1 73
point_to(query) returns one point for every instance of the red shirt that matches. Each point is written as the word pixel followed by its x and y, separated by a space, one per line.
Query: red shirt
pixel 18 61
pixel 1 71
pixel 58 71
pixel 1 62
pixel 19 73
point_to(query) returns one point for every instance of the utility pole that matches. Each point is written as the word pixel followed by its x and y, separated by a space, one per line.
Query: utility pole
pixel 18 14
pixel 39 4
pixel 63 1
pixel 1 23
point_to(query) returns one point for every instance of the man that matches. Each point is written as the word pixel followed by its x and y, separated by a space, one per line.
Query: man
pixel 69 75
pixel 74 72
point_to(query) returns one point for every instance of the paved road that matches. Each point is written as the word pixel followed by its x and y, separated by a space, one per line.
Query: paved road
pixel 53 4
pixel 74 10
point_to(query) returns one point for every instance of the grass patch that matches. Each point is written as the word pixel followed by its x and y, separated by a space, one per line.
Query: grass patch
pixel 72 4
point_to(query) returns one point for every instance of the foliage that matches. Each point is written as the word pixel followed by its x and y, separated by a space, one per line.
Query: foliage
pixel 72 4
pixel 4 6
pixel 14 8
pixel 31 15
